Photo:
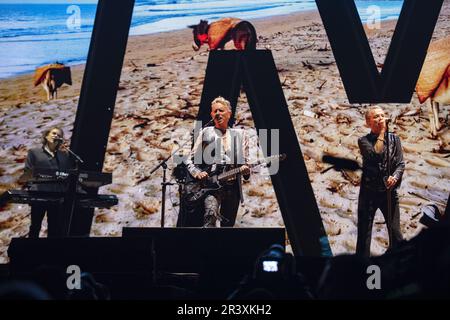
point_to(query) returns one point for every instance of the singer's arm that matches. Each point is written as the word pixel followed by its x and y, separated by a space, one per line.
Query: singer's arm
pixel 399 163
pixel 194 154
pixel 30 162
pixel 368 150
pixel 246 153
pixel 379 144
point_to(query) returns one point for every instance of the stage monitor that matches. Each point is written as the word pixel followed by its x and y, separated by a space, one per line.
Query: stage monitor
pixel 227 250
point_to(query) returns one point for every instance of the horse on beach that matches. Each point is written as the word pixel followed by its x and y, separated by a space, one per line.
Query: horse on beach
pixel 52 77
pixel 218 33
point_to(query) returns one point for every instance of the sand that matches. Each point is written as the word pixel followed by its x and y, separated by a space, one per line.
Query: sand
pixel 158 100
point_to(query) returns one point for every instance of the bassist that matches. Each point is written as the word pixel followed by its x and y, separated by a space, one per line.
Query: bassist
pixel 216 148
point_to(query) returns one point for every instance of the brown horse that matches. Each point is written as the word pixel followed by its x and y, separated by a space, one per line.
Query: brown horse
pixel 218 33
pixel 52 77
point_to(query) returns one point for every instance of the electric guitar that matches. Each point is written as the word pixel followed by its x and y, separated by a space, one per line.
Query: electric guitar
pixel 199 189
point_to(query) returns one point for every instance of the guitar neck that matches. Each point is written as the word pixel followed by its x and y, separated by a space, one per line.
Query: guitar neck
pixel 233 172
pixel 229 174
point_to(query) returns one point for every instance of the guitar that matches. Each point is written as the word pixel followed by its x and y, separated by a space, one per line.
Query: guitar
pixel 199 189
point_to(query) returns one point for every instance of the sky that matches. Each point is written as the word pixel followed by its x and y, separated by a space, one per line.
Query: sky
pixel 49 1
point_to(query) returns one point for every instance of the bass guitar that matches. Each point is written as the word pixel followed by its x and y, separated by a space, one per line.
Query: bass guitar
pixel 196 190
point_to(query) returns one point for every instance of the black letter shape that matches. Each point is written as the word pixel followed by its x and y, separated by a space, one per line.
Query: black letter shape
pixel 98 94
pixel 256 71
pixel 362 81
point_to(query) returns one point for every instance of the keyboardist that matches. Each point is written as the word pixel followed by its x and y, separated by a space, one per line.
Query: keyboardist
pixel 51 155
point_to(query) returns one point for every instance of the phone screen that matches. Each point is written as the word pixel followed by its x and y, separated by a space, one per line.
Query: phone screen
pixel 270 266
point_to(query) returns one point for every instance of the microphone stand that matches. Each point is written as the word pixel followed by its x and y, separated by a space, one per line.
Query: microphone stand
pixel 164 182
pixel 77 157
pixel 70 197
pixel 388 191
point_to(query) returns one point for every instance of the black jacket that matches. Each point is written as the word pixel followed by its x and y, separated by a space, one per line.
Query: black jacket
pixel 39 158
pixel 375 164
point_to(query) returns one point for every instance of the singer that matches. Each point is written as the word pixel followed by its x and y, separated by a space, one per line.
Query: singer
pixel 218 148
pixel 51 155
pixel 378 186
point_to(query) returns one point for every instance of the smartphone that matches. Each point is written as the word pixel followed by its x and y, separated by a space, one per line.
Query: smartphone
pixel 270 266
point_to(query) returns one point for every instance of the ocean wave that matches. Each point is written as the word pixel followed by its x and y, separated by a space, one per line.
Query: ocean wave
pixel 40 31
pixel 48 37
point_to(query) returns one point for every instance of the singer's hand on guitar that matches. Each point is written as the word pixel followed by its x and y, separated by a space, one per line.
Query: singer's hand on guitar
pixel 391 182
pixel 202 175
pixel 245 170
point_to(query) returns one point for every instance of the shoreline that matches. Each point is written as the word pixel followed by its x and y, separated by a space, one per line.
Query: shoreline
pixel 24 73
pixel 256 21
pixel 177 44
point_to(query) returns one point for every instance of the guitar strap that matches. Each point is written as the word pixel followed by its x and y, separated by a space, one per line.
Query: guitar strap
pixel 239 175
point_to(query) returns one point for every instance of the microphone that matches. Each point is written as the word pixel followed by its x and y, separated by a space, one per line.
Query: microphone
pixel 58 140
pixel 387 122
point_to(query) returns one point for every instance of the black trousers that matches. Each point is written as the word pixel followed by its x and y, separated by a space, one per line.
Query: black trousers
pixel 222 205
pixel 53 220
pixel 368 203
